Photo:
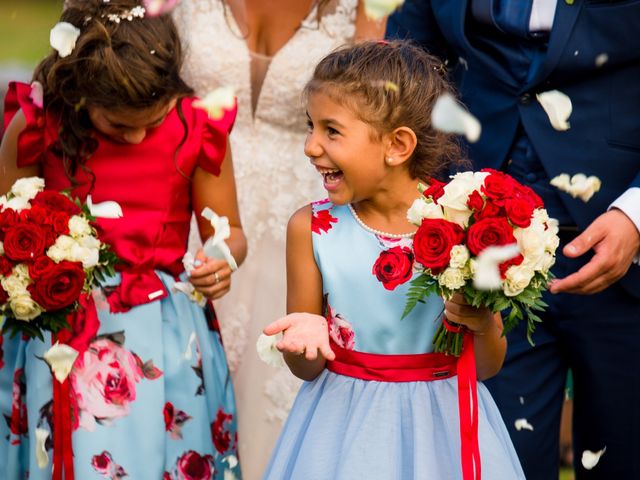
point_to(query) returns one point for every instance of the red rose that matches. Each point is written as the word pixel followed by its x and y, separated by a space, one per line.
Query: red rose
pixel 394 267
pixel 489 232
pixel 519 211
pixel 490 210
pixel 221 437
pixel 60 288
pixel 504 266
pixel 6 266
pixel 24 241
pixel 36 214
pixel 433 242
pixel 60 223
pixel 435 190
pixel 41 267
pixel 56 202
pixel 193 466
pixel 498 186
pixel 475 201
pixel 522 191
pixel 8 218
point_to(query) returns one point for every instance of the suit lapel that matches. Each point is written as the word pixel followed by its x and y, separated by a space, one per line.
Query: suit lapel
pixel 563 22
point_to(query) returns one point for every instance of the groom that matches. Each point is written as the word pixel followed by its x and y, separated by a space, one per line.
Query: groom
pixel 501 53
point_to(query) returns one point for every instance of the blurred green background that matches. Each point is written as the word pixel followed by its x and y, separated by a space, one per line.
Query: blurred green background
pixel 24 30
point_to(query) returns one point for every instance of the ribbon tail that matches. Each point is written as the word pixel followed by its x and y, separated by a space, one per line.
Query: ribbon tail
pixel 468 406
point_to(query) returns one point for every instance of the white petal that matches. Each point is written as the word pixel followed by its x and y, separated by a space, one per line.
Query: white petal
pixel 590 459
pixel 188 262
pixel 523 424
pixel 601 59
pixel 378 9
pixel 558 107
pixel 108 209
pixel 63 38
pixel 229 475
pixel 159 7
pixel 42 456
pixel 37 94
pixel 232 460
pixel 267 351
pixel 220 251
pixel 60 358
pixel 217 101
pixel 188 353
pixel 215 246
pixel 486 275
pixel 449 116
pixel 578 186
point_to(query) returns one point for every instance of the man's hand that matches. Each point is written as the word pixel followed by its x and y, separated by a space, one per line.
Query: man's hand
pixel 615 240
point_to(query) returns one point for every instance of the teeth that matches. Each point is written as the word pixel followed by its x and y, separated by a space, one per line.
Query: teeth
pixel 326 171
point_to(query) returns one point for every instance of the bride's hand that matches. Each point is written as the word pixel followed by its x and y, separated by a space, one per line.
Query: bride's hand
pixel 212 277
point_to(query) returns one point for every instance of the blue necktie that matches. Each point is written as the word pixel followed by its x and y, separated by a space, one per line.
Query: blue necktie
pixel 509 16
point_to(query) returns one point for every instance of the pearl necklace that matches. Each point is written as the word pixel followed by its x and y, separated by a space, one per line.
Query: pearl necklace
pixel 377 232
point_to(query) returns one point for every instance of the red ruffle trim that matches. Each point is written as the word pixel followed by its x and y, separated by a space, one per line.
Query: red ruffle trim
pixel 214 140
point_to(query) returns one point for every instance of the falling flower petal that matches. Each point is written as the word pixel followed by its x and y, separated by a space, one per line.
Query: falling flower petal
pixel 558 107
pixel 42 457
pixel 590 459
pixel 108 209
pixel 37 94
pixel 523 424
pixel 60 358
pixel 190 291
pixel 232 460
pixel 215 246
pixel 267 351
pixel 217 101
pixel 378 9
pixel 63 38
pixel 578 186
pixel 159 7
pixel 449 116
pixel 486 275
pixel 601 59
pixel 229 475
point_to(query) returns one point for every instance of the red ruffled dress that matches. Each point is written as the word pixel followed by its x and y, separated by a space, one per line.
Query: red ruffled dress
pixel 153 394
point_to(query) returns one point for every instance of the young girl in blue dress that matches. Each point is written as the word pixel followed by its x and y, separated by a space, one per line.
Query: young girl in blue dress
pixel 377 404
pixel 149 396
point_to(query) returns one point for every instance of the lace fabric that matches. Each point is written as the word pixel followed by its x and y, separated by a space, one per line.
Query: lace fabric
pixel 273 179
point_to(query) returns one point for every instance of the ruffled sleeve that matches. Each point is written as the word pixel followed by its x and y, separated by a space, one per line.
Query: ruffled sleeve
pixel 32 142
pixel 214 140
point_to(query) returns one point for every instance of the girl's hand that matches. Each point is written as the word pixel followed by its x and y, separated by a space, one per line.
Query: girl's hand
pixel 303 334
pixel 212 278
pixel 477 320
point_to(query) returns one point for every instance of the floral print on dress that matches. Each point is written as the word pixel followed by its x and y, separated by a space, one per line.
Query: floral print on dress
pixel 394 267
pixel 105 466
pixel 174 419
pixel 104 379
pixel 340 330
pixel 321 220
pixel 192 466
pixel 220 435
pixel 18 420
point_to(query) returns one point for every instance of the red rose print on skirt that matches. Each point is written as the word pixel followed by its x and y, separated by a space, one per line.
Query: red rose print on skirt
pixel 192 466
pixel 104 380
pixel 104 465
pixel 220 435
pixel 173 420
pixel 340 330
pixel 18 421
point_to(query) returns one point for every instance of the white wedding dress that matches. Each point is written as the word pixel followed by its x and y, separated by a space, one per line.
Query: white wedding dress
pixel 274 178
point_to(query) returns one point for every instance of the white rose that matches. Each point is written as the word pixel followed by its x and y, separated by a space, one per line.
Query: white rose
pixel 460 217
pixel 452 278
pixel 457 191
pixel 61 250
pixel 531 241
pixel 88 256
pixel 517 279
pixel 15 285
pixel 459 256
pixel 27 188
pixel 24 308
pixel 79 226
pixel 421 209
pixel 17 203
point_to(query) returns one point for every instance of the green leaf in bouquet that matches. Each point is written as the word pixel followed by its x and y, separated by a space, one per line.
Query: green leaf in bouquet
pixel 421 287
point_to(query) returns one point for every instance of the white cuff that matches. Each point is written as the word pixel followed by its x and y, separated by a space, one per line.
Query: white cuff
pixel 629 203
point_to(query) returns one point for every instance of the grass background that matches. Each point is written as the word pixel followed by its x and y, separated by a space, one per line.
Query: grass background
pixel 24 41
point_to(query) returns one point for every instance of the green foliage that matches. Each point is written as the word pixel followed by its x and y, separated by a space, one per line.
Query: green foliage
pixel 421 287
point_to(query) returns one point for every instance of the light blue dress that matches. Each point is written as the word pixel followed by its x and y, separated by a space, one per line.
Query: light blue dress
pixel 344 428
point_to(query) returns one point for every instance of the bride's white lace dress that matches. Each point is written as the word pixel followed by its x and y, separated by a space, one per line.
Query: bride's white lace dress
pixel 274 178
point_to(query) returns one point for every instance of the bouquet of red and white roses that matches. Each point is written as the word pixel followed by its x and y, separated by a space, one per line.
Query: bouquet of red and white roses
pixel 50 254
pixel 487 236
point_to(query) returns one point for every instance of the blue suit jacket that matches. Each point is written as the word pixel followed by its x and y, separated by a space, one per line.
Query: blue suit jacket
pixel 604 138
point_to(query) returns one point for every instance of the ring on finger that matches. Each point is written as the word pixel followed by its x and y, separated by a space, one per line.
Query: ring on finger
pixel 215 275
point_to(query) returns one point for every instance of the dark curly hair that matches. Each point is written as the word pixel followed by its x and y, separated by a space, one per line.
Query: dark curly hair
pixel 121 66
pixel 388 85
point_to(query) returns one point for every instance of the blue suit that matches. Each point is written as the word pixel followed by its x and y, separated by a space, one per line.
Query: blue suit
pixel 598 336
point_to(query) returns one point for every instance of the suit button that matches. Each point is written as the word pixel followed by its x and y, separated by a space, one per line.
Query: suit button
pixel 525 99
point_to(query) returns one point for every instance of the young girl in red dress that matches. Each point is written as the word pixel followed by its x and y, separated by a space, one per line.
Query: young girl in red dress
pixel 149 395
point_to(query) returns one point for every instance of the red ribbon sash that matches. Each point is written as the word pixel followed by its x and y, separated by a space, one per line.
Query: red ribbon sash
pixel 425 367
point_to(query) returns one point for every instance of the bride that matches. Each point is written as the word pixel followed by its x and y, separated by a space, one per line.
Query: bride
pixel 265 51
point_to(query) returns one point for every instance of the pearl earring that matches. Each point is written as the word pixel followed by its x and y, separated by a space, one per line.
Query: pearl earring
pixel 389 160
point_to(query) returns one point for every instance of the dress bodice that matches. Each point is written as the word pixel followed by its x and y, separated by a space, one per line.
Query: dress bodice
pixel 271 170
pixel 151 181
pixel 365 280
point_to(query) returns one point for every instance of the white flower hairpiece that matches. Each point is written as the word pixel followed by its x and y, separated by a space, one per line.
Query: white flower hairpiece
pixel 135 12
